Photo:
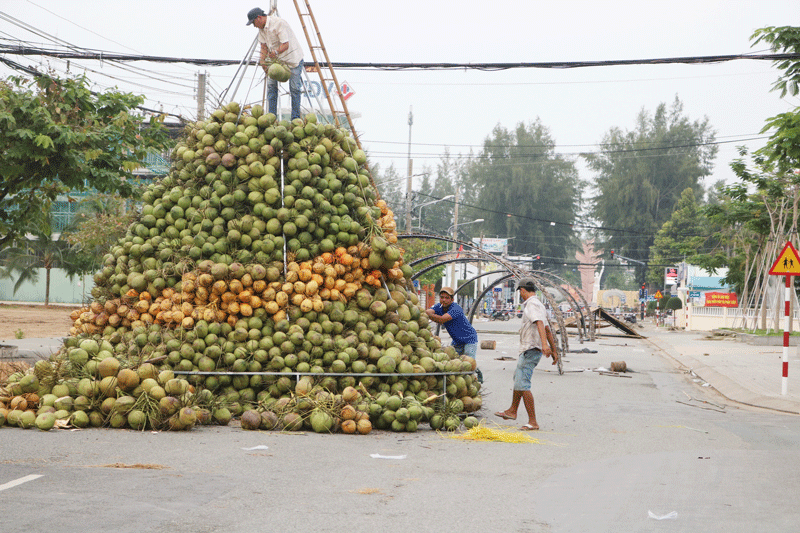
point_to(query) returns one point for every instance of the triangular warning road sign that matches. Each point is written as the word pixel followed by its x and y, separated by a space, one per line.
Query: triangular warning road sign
pixel 658 295
pixel 787 263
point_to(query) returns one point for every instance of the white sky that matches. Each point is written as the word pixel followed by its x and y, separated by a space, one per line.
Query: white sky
pixel 455 109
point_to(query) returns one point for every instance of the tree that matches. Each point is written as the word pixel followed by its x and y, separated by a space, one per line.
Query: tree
pixel 101 220
pixel 438 218
pixel 619 278
pixel 757 214
pixel 682 236
pixel 673 303
pixel 419 248
pixel 38 250
pixel 783 146
pixel 756 217
pixel 782 40
pixel 642 173
pixel 527 191
pixel 57 136
pixel 392 189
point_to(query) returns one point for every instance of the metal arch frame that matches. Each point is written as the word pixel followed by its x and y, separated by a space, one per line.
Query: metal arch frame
pixel 544 282
pixel 592 330
pixel 429 257
pixel 556 310
pixel 440 263
pixel 473 278
pixel 512 268
pixel 483 293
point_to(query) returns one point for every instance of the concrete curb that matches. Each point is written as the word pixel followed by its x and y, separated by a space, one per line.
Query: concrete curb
pixel 32 349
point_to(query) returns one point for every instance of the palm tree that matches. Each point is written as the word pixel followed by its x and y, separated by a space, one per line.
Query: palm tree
pixel 26 257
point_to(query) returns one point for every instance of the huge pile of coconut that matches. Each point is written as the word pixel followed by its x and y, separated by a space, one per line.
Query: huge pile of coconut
pixel 261 280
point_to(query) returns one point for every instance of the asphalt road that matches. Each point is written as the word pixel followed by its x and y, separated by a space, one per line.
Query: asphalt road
pixel 611 450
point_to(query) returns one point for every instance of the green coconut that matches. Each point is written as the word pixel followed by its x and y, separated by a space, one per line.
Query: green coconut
pixel 45 421
pixel 187 417
pixel 27 419
pixel 470 422
pixel 64 403
pixel 137 419
pixel 278 72
pixel 13 418
pixel 222 416
pixel 321 421
pixel 80 419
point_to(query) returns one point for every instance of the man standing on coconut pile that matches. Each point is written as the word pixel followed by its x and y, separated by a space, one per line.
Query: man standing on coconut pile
pixel 449 313
pixel 535 339
pixel 278 41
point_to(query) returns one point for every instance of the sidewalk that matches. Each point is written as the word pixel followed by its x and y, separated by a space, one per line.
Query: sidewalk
pixel 747 374
pixel 31 350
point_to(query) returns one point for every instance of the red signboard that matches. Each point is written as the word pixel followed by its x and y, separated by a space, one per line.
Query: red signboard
pixel 721 299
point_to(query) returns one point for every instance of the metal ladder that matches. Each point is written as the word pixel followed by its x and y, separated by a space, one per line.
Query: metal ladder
pixel 337 104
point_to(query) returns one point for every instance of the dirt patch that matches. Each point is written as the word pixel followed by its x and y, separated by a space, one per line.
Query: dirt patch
pixel 137 465
pixel 34 321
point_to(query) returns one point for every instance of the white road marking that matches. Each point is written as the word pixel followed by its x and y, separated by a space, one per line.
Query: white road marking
pixel 20 481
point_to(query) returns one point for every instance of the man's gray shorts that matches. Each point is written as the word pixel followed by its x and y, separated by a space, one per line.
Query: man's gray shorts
pixel 526 362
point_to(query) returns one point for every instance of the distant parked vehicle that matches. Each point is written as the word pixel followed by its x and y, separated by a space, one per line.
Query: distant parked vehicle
pixel 500 315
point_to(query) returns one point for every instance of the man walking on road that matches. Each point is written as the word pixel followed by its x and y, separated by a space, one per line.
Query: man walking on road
pixel 450 314
pixel 278 41
pixel 535 339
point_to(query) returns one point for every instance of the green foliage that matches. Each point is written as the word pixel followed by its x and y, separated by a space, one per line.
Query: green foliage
pixel 437 218
pixel 782 40
pixel 642 173
pixel 392 189
pixel 680 237
pixel 620 278
pixel 419 248
pixel 744 218
pixel 523 185
pixel 100 222
pixel 57 136
pixel 783 146
pixel 39 250
pixel 673 303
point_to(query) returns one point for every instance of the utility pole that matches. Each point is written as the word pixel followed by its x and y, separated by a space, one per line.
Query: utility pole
pixel 478 288
pixel 455 246
pixel 410 167
pixel 201 95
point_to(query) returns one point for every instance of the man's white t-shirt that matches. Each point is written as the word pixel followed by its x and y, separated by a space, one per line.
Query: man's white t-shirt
pixel 532 311
pixel 277 31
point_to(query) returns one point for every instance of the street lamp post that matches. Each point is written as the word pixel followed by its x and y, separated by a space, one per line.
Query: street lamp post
pixel 454 229
pixel 431 203
pixel 462 224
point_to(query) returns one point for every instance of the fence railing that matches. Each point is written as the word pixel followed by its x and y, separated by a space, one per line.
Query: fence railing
pixel 708 318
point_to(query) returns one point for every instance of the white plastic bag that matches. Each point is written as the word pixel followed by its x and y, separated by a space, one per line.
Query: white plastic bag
pixel 669 516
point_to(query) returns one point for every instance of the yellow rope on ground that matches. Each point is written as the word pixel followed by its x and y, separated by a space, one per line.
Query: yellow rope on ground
pixel 485 434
